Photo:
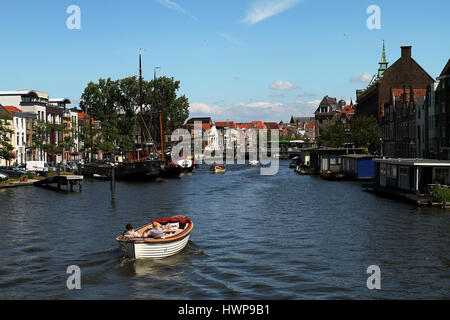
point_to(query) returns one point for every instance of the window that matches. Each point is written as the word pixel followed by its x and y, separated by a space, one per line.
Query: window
pixel 392 171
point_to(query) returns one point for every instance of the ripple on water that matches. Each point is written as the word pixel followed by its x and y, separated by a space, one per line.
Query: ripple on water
pixel 280 237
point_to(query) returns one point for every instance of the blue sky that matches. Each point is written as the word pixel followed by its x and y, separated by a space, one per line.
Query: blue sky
pixel 236 60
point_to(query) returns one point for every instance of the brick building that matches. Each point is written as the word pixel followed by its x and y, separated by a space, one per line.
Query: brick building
pixel 401 131
pixel 404 72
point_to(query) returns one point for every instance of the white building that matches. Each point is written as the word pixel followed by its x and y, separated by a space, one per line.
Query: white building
pixel 213 140
pixel 29 101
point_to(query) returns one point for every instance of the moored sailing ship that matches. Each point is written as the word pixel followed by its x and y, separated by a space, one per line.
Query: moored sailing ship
pixel 140 163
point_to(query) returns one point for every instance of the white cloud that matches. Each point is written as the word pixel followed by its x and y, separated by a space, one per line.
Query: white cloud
pixel 255 111
pixel 363 77
pixel 306 94
pixel 263 9
pixel 205 109
pixel 172 5
pixel 262 105
pixel 280 85
pixel 275 95
pixel 306 108
pixel 229 38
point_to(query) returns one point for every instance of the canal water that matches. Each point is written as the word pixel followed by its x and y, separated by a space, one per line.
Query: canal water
pixel 255 237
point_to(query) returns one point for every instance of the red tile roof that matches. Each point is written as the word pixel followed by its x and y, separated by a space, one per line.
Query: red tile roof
pixel 226 124
pixel 348 109
pixel 398 93
pixel 12 109
pixel 82 115
pixel 245 125
pixel 259 124
pixel 205 126
pixel 272 125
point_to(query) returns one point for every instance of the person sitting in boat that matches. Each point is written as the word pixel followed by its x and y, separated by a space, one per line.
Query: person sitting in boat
pixel 156 232
pixel 129 232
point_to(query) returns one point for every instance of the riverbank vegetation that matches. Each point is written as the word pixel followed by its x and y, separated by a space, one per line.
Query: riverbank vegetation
pixel 365 133
pixel 441 195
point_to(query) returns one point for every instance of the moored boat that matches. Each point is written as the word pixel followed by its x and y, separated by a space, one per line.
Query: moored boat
pixel 218 168
pixel 171 170
pixel 186 164
pixel 295 162
pixel 332 176
pixel 253 162
pixel 132 169
pixel 141 247
pixel 304 170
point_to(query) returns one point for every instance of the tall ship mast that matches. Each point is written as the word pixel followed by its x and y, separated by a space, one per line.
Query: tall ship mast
pixel 140 163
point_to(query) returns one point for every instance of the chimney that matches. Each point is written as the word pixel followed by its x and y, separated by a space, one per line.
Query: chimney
pixel 406 52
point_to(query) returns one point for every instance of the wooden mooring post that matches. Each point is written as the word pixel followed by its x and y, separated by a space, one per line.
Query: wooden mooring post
pixel 113 182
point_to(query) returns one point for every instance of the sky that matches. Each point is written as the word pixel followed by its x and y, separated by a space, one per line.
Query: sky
pixel 237 60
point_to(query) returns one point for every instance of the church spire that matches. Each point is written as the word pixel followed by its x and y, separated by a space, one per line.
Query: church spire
pixel 383 64
pixel 383 56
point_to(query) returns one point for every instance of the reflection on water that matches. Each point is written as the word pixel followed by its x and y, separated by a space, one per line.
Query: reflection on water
pixel 255 237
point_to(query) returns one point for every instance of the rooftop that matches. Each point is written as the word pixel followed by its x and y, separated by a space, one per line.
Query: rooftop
pixel 415 162
pixel 361 156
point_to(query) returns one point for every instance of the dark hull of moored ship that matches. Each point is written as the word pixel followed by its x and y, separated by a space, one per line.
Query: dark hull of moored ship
pixel 128 171
pixel 138 171
pixel 170 172
pixel 187 169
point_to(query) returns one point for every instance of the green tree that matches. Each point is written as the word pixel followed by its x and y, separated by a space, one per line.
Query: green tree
pixel 366 133
pixel 5 146
pixel 105 102
pixel 116 104
pixel 41 137
pixel 69 133
pixel 333 134
pixel 161 95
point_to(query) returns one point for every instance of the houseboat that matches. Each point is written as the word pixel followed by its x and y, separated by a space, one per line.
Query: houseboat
pixel 359 166
pixel 412 176
pixel 327 161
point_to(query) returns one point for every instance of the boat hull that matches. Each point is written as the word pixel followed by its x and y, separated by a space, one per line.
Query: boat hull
pixel 143 248
pixel 138 171
pixel 171 172
pixel 136 250
pixel 217 169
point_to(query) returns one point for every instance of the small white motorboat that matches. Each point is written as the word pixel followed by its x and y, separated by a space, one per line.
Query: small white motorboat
pixel 141 247
pixel 253 162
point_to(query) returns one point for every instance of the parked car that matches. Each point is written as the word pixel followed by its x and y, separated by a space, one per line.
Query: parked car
pixel 72 166
pixel 3 177
pixel 10 172
pixel 20 170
